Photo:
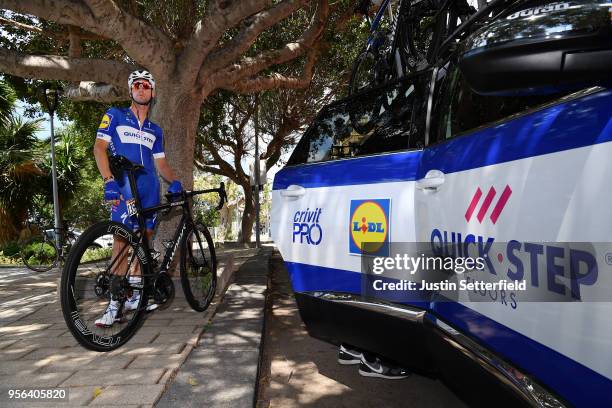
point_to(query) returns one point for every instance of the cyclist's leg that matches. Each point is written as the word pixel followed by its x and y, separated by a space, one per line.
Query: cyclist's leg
pixel 148 189
pixel 120 253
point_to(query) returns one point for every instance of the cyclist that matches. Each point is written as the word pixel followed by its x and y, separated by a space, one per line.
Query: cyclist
pixel 129 132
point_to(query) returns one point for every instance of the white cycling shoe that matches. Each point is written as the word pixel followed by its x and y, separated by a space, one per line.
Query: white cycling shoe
pixel 132 302
pixel 110 315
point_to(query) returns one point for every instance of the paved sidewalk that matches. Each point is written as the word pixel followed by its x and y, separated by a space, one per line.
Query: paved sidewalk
pixel 37 350
pixel 222 370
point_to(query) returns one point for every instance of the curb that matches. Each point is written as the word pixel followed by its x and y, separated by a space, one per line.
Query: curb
pixel 262 345
pixel 174 382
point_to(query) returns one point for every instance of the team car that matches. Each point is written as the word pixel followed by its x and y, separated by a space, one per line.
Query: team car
pixel 503 149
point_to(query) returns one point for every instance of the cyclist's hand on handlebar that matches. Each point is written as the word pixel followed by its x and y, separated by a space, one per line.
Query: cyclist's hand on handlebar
pixel 112 193
pixel 175 188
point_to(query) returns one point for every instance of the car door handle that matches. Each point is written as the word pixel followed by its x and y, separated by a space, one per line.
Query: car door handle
pixel 432 180
pixel 293 191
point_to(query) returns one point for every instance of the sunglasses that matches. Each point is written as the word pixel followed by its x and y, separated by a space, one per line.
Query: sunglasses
pixel 143 85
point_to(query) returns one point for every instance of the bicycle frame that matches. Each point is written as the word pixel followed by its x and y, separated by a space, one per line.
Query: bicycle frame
pixel 376 22
pixel 186 221
pixel 439 39
pixel 374 41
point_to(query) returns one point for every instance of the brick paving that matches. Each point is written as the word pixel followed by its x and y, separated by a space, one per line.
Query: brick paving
pixel 37 350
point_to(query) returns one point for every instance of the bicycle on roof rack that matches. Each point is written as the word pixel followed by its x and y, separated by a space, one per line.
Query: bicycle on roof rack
pixel 408 45
pixel 91 279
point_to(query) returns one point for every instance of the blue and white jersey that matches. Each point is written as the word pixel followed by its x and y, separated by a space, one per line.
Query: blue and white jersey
pixel 120 127
pixel 140 145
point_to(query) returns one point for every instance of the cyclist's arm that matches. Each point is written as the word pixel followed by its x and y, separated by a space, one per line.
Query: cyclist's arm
pixel 164 169
pixel 99 152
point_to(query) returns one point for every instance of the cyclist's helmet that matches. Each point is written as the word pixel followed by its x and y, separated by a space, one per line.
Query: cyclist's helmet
pixel 141 74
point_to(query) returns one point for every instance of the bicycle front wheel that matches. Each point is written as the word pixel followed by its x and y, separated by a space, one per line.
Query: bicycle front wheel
pixel 39 254
pixel 198 268
pixel 102 307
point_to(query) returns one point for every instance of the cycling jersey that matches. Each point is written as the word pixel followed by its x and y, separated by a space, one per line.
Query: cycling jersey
pixel 140 145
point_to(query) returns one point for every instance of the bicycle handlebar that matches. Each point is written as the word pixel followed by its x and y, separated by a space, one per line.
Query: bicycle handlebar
pixel 185 194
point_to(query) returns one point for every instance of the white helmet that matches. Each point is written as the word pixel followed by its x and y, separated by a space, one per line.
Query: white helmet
pixel 141 74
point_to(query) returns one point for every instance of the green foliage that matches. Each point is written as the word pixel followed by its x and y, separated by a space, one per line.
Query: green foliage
pixel 96 254
pixel 71 160
pixel 19 172
pixel 90 206
pixel 204 205
pixel 38 252
pixel 25 171
pixel 10 249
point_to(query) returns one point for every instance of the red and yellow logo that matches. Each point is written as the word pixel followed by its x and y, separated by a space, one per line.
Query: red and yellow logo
pixel 369 227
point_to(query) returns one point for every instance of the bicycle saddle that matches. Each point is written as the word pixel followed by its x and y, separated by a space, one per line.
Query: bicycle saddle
pixel 119 164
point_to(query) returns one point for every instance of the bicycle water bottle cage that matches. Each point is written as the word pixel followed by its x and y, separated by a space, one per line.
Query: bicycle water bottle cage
pixel 120 164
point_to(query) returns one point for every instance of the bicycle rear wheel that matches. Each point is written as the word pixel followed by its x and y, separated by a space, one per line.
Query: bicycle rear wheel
pixel 96 278
pixel 39 254
pixel 198 268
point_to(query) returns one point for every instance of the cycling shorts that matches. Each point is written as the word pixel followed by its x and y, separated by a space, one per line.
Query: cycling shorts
pixel 148 191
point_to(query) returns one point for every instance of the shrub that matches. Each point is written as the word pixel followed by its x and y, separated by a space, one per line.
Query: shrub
pixel 10 249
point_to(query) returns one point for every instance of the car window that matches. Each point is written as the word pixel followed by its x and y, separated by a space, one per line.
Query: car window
pixel 458 109
pixel 377 121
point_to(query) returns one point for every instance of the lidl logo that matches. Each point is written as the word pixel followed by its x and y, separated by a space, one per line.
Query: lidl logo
pixel 106 120
pixel 369 227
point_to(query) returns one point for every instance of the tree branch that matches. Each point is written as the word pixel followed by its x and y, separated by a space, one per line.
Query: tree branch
pixel 247 36
pixel 220 15
pixel 59 68
pixel 61 36
pixel 38 30
pixel 92 91
pixel 145 44
pixel 276 80
pixel 61 11
pixel 226 77
pixel 74 50
pixel 210 169
pixel 224 166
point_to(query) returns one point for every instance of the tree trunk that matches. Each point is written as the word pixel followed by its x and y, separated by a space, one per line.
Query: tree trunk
pixel 248 215
pixel 7 228
pixel 177 113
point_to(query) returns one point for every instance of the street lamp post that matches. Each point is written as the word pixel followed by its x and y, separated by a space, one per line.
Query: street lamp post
pixel 256 166
pixel 50 100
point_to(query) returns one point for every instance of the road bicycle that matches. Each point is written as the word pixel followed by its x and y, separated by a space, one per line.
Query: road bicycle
pixel 410 45
pixel 41 252
pixel 91 280
pixel 382 57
